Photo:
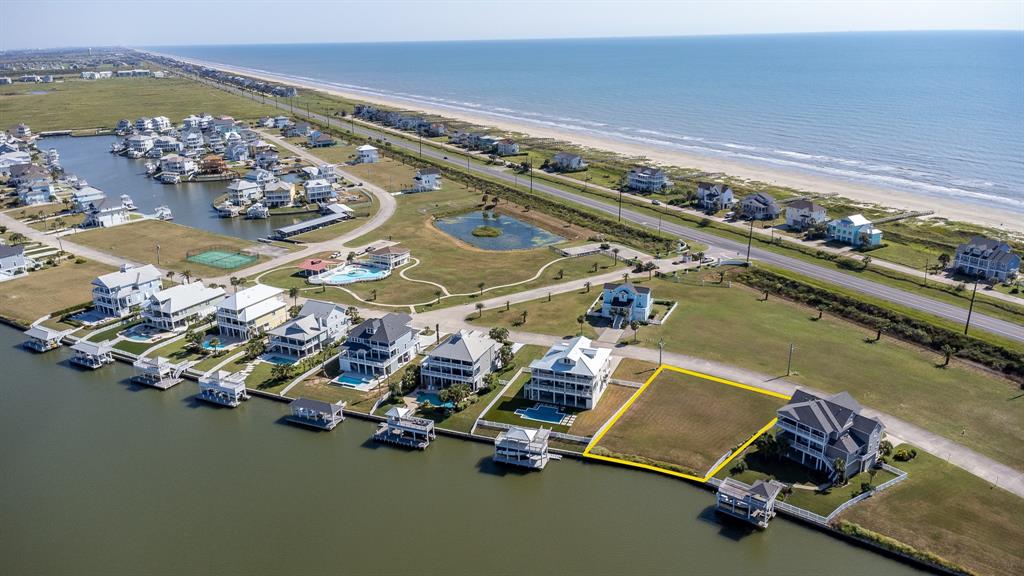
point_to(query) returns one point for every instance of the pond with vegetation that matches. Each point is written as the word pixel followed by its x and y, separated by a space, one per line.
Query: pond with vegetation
pixel 491 231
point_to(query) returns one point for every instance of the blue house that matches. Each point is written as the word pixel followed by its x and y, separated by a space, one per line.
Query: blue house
pixel 855 230
pixel 622 303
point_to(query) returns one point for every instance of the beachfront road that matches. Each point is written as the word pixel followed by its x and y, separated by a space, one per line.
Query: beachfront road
pixel 911 300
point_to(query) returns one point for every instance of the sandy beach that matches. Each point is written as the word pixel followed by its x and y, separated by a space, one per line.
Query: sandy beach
pixel 892 198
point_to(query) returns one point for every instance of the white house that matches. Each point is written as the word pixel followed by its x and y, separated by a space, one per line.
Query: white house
pixel 36 192
pixel 646 179
pixel 317 326
pixel 117 293
pixel 367 154
pixel 85 198
pixel 242 192
pixel 278 194
pixel 714 197
pixel 526 447
pixel 855 230
pixel 161 123
pixel 567 162
pixel 139 145
pixel 12 260
pixel 223 388
pixel 465 357
pixel 319 191
pixel 182 166
pixel 260 176
pixel 280 121
pixel 143 124
pixel 250 311
pixel 804 214
pixel 390 257
pixel 177 307
pixel 426 179
pixel 623 303
pixel 101 216
pixel 506 147
pixel 572 373
pixel 236 152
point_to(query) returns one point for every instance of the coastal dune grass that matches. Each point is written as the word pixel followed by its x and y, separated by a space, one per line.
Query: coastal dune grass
pixel 688 422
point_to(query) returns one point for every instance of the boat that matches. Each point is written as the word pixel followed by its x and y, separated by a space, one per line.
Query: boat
pixel 163 213
pixel 127 203
pixel 257 212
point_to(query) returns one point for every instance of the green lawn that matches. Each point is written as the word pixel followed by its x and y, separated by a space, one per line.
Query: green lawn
pixel 30 296
pixel 556 317
pixel 80 104
pixel 504 409
pixel 947 511
pixel 133 347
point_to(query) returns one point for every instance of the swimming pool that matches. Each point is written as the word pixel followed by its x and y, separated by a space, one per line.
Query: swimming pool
pixel 353 381
pixel 434 400
pixel 209 344
pixel 275 359
pixel 542 413
pixel 350 273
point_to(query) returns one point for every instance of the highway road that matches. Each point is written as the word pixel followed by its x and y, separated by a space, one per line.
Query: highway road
pixel 1003 328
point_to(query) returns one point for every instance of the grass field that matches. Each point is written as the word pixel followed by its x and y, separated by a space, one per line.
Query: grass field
pixel 36 294
pixel 138 241
pixel 688 422
pixel 555 317
pixel 947 511
pixel 81 104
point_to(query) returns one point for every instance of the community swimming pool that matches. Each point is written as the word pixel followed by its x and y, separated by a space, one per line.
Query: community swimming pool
pixel 350 273
pixel 543 413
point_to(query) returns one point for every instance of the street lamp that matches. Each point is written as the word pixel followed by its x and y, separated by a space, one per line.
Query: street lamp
pixel 750 239
pixel 789 365
pixel 661 349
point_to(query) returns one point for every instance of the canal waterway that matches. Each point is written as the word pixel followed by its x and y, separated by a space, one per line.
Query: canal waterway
pixel 100 477
pixel 190 202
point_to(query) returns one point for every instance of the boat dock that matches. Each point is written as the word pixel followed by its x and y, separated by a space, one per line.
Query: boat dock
pixel 316 414
pixel 335 213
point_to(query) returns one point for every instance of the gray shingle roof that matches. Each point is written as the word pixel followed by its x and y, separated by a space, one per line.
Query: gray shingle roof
pixel 383 330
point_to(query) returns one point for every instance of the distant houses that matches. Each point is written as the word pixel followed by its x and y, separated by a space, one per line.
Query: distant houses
pixel 759 206
pixel 367 154
pixel 12 260
pixel 567 162
pixel 647 179
pixel 715 197
pixel 823 432
pixel 248 312
pixel 317 326
pixel 625 302
pixel 465 357
pixel 379 346
pixel 175 308
pixel 319 139
pixel 987 258
pixel 804 215
pixel 572 373
pixel 855 230
pixel 120 293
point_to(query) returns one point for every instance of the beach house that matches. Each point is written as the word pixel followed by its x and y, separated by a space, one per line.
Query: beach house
pixel 404 429
pixel 855 230
pixel 26 173
pixel 267 158
pixel 278 194
pixel 242 192
pixel 506 147
pixel 251 311
pixel 390 257
pixel 120 293
pixel 143 124
pixel 379 346
pixel 987 258
pixel 646 179
pixel 12 260
pixel 823 433
pixel 426 179
pixel 367 154
pixel 86 197
pixel 35 192
pixel 465 357
pixel 759 206
pixel 161 123
pixel 752 503
pixel 713 198
pixel 138 145
pixel 178 306
pixel 223 388
pixel 177 167
pixel 319 191
pixel 260 177
pixel 804 214
pixel 236 151
pixel 318 139
pixel 317 326
pixel 567 162
pixel 572 373
pixel 622 303
pixel 105 216
pixel 526 447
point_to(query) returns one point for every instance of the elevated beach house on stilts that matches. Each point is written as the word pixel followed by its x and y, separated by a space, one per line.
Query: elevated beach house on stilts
pixel 379 346
pixel 42 339
pixel 465 357
pixel 92 355
pixel 175 308
pixel 118 293
pixel 223 388
pixel 404 429
pixel 248 312
pixel 316 413
pixel 751 503
pixel 318 325
pixel 526 447
pixel 572 373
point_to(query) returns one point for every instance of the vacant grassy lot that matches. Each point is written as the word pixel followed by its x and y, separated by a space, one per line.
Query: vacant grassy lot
pixel 36 294
pixel 81 104
pixel 137 241
pixel 688 422
pixel 555 317
pixel 947 511
pixel 634 370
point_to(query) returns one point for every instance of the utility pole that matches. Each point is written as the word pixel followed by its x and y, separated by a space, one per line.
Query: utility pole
pixel 529 166
pixel 661 349
pixel 421 145
pixel 789 365
pixel 971 309
pixel 157 254
pixel 750 239
pixel 620 205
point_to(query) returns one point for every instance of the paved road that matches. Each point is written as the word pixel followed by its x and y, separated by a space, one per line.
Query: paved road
pixel 905 298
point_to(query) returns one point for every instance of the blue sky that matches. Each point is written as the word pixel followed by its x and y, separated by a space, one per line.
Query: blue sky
pixel 49 23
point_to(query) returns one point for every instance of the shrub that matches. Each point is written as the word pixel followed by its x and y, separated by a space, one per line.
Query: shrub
pixel 904 455
pixel 79 260
pixel 739 467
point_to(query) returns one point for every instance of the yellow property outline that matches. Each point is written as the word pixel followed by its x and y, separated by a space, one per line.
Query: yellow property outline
pixel 625 407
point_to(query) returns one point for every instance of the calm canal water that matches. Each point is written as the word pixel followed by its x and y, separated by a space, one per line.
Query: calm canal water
pixel 515 234
pixel 101 478
pixel 90 158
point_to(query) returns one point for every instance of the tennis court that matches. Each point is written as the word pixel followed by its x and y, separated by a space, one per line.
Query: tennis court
pixel 224 258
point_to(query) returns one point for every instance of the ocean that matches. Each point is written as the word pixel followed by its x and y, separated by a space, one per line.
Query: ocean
pixel 933 113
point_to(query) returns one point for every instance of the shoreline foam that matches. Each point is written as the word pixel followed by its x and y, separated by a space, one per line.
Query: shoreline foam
pixel 1003 218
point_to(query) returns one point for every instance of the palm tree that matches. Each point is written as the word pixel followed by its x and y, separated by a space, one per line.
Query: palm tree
pixel 615 254
pixel 479 309
pixel 170 273
pixel 235 281
pixel 373 294
pixel 635 325
pixel 293 293
pixel 881 328
pixel 625 277
pixel 561 273
pixel 187 274
pixel 581 319
pixel 525 312
pixel 438 294
pixel 480 287
pixel 948 351
pixel 587 285
pixel 840 466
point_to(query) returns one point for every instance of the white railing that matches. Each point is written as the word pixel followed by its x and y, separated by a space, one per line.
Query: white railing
pixel 900 476
pixel 557 435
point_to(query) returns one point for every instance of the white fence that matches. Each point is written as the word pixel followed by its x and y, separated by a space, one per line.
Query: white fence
pixel 556 435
